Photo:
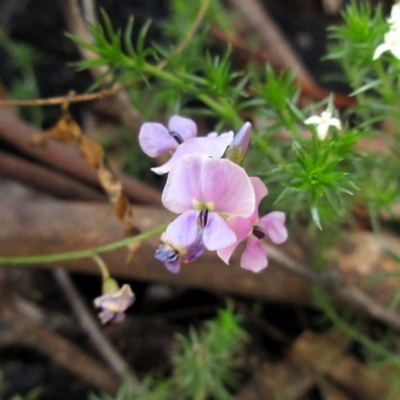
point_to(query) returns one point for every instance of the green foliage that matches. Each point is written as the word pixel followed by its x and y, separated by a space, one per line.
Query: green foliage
pixel 204 364
pixel 325 179
pixel 151 389
pixel 23 60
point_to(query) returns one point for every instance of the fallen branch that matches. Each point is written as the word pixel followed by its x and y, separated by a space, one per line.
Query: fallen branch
pixel 42 235
pixel 18 134
pixel 46 179
pixel 17 329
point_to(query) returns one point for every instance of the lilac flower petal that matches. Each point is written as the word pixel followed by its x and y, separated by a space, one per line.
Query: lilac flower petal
pixel 195 250
pixel 154 139
pixel 260 191
pixel 227 186
pixel 274 224
pixel 110 317
pixel 217 233
pixel 114 304
pixel 184 126
pixel 202 146
pixel 242 228
pixel 254 257
pixel 217 183
pixel 183 230
pixel 173 267
pixel 182 185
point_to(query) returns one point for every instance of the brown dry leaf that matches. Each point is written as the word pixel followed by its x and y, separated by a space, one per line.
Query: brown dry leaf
pixel 332 7
pixel 324 356
pixel 66 129
pixel 332 392
pixel 276 382
pixel 361 255
pixel 91 152
pixel 289 379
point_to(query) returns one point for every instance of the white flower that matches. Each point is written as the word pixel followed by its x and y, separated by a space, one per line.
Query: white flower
pixel 394 19
pixel 324 122
pixel 391 42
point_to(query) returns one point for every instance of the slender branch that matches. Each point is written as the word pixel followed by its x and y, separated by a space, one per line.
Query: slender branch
pixel 18 329
pixel 77 98
pixel 109 353
pixel 73 255
pixel 338 289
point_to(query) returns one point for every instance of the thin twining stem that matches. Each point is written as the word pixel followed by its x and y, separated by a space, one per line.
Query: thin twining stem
pixel 73 255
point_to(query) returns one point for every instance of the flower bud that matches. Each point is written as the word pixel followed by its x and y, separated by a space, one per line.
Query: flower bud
pixel 238 148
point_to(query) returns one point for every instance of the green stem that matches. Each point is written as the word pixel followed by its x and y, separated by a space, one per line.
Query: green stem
pixel 73 255
pixel 102 266
pixel 225 110
pixel 160 73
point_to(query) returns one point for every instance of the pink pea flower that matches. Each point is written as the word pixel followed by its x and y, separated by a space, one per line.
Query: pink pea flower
pixel 253 229
pixel 179 139
pixel 205 191
pixel 113 305
pixel 180 246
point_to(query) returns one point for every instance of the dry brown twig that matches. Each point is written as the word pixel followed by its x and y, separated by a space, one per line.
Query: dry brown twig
pixel 18 133
pixel 78 26
pixel 16 329
pixel 278 52
pixel 341 291
pixel 77 98
pixel 60 234
pixel 272 37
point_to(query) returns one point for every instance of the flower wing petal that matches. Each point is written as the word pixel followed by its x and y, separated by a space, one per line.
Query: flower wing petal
pixel 217 233
pixel 154 139
pixel 242 228
pixel 182 185
pixel 183 230
pixel 186 127
pixel 254 257
pixel 260 191
pixel 274 224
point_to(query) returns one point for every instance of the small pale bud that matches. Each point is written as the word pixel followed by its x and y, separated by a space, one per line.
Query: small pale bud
pixel 238 148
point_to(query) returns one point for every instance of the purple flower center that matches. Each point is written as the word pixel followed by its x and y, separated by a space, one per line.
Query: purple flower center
pixel 178 138
pixel 203 217
pixel 258 232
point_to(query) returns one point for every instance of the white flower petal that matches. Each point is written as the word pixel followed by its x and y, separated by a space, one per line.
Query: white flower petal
pixel 380 50
pixel 322 131
pixel 335 122
pixel 314 120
